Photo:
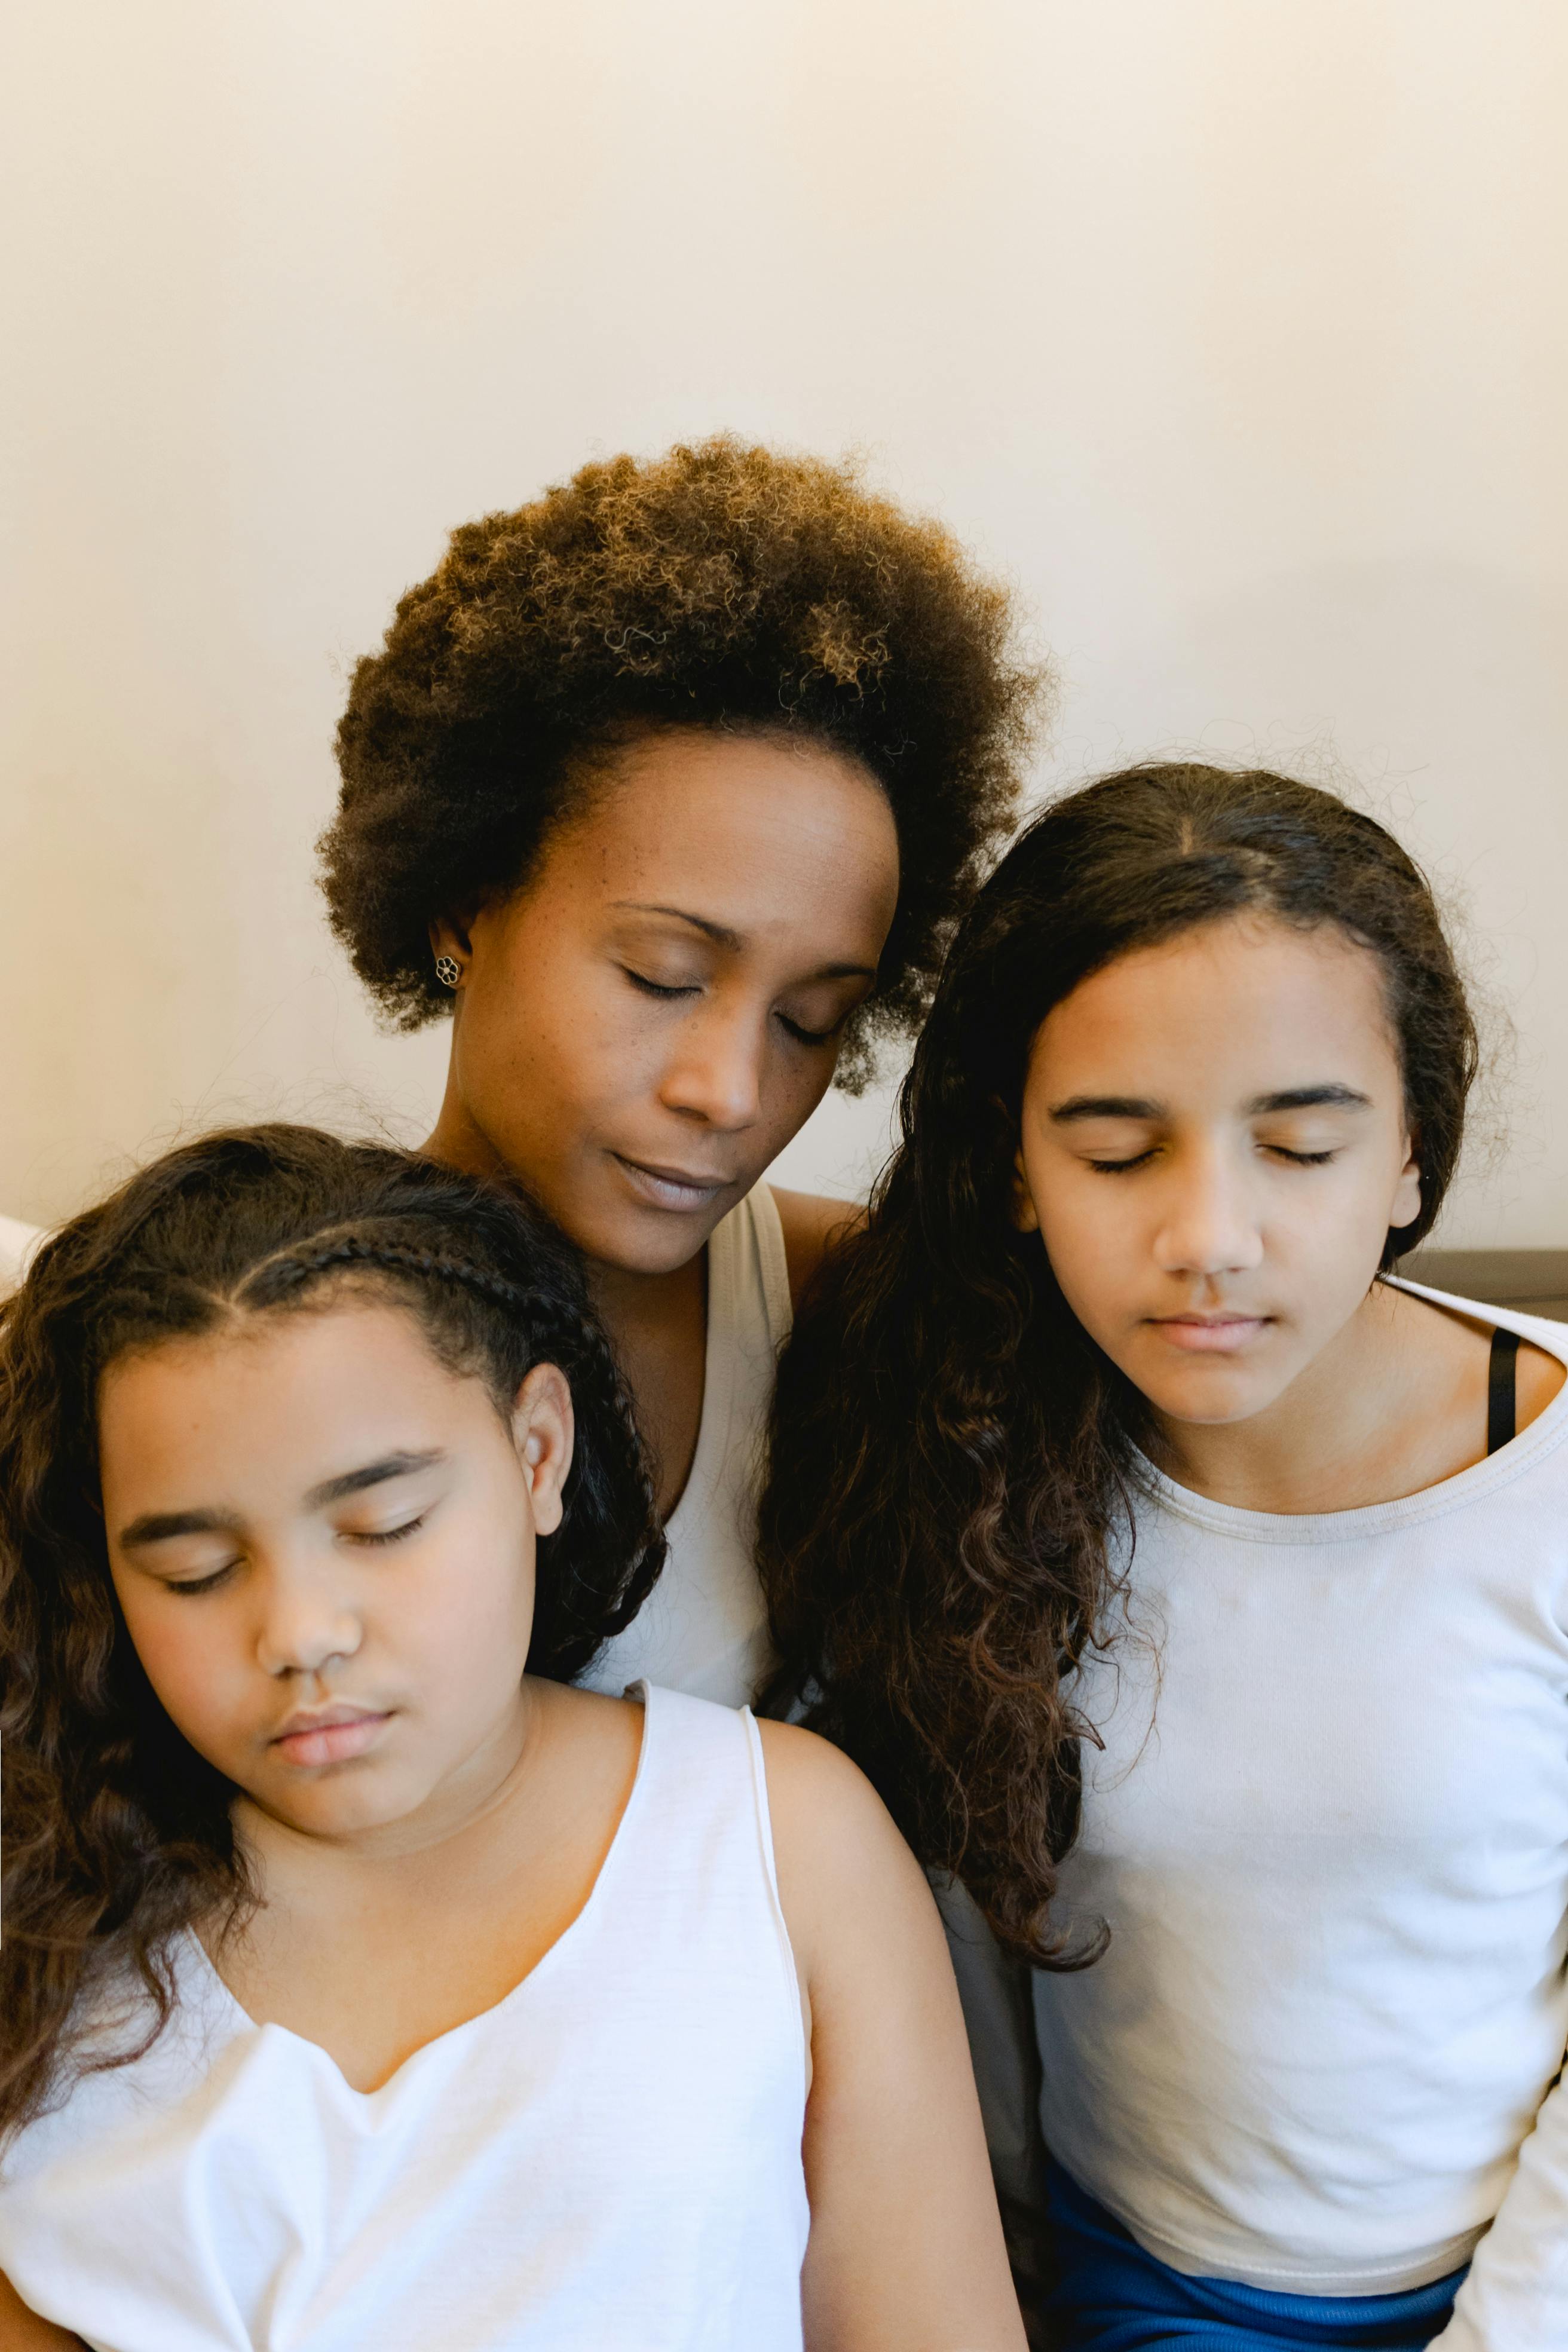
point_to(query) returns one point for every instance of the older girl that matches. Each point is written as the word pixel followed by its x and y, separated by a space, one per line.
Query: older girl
pixel 363 1982
pixel 1125 1500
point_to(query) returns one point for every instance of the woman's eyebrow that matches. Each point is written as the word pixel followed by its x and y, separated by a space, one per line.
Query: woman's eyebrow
pixel 721 936
pixel 718 934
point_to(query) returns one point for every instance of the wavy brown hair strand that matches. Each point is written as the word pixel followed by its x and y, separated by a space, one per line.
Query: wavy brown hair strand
pixel 943 1531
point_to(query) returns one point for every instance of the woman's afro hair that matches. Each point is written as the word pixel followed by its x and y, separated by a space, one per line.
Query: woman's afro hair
pixel 720 586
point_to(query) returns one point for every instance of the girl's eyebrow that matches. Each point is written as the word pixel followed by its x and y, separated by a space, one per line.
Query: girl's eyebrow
pixel 161 1527
pixel 1105 1107
pixel 1325 1097
pixel 373 1473
pixel 1329 1097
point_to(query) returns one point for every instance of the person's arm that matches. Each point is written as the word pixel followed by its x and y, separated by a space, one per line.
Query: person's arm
pixel 811 1225
pixel 906 2252
pixel 22 2330
pixel 1516 2296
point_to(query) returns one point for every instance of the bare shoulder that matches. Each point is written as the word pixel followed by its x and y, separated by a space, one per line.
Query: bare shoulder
pixel 812 1223
pixel 1541 1376
pixel 839 1854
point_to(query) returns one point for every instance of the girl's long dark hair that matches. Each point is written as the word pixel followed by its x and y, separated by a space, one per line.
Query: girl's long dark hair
pixel 949 1450
pixel 117 1833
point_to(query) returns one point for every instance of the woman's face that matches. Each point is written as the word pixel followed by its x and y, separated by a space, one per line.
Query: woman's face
pixel 1214 1146
pixel 645 1024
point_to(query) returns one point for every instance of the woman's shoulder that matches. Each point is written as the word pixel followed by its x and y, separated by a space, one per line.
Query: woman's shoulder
pixel 811 1224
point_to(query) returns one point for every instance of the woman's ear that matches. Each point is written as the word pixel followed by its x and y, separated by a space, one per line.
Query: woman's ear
pixel 543 1429
pixel 450 936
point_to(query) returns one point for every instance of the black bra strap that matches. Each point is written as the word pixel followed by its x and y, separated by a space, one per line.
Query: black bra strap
pixel 1503 1410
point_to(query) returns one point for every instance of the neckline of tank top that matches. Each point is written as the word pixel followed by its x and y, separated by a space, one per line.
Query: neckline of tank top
pixel 218 1994
pixel 734 1231
pixel 1499 1469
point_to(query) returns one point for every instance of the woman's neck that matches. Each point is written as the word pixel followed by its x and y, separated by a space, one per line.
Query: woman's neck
pixel 658 1326
pixel 1395 1404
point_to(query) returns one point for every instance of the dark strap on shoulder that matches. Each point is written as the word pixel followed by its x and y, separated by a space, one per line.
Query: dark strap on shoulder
pixel 1502 1407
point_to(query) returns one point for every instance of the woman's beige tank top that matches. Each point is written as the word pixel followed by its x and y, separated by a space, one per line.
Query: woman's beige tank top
pixel 703 1629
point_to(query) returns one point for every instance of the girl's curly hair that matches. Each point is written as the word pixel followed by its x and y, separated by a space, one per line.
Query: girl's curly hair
pixel 949 1452
pixel 720 586
pixel 118 1833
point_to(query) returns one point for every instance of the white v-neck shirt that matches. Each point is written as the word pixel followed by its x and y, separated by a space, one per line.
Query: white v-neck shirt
pixel 703 1628
pixel 609 2157
pixel 1329 1830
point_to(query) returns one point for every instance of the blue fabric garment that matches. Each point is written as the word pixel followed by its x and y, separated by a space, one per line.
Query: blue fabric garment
pixel 1112 2296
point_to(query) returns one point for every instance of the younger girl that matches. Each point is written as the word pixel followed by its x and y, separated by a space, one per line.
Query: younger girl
pixel 359 1987
pixel 1121 1493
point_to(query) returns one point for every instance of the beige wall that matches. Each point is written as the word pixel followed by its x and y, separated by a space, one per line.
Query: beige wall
pixel 1233 330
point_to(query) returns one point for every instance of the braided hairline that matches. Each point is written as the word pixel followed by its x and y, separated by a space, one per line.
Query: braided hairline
pixel 349 1249
pixel 298 1266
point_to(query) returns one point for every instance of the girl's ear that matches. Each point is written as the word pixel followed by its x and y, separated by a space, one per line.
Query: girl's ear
pixel 543 1429
pixel 1026 1216
pixel 1405 1206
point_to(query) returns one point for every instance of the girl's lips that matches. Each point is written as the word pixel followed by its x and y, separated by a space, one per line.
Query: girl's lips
pixel 1214 1336
pixel 330 1743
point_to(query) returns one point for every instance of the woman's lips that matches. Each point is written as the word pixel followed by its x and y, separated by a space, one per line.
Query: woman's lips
pixel 672 1188
pixel 330 1743
pixel 1212 1335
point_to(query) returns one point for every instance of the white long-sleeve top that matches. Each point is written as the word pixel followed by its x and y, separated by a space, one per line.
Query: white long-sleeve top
pixel 1329 1831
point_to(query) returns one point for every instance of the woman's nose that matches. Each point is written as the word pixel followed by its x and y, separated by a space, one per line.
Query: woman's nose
pixel 715 1069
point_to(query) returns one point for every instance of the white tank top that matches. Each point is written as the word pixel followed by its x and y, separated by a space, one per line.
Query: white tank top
pixel 609 2158
pixel 703 1628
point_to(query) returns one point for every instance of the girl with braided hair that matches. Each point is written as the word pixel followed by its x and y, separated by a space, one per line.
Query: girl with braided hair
pixel 669 788
pixel 363 1981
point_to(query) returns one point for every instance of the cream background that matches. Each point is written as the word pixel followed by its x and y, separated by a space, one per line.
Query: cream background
pixel 1233 330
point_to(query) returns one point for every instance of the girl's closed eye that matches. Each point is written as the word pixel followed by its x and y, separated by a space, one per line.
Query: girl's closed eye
pixel 208 1583
pixel 391 1535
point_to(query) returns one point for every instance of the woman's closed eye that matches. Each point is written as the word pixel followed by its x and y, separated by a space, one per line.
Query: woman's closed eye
pixel 665 988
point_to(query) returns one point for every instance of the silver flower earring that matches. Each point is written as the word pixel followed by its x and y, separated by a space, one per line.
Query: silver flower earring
pixel 449 971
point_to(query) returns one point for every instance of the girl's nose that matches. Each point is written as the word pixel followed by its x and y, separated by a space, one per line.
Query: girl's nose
pixel 304 1631
pixel 1209 1227
pixel 715 1069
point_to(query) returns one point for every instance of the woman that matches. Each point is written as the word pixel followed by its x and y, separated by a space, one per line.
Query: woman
pixel 670 786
